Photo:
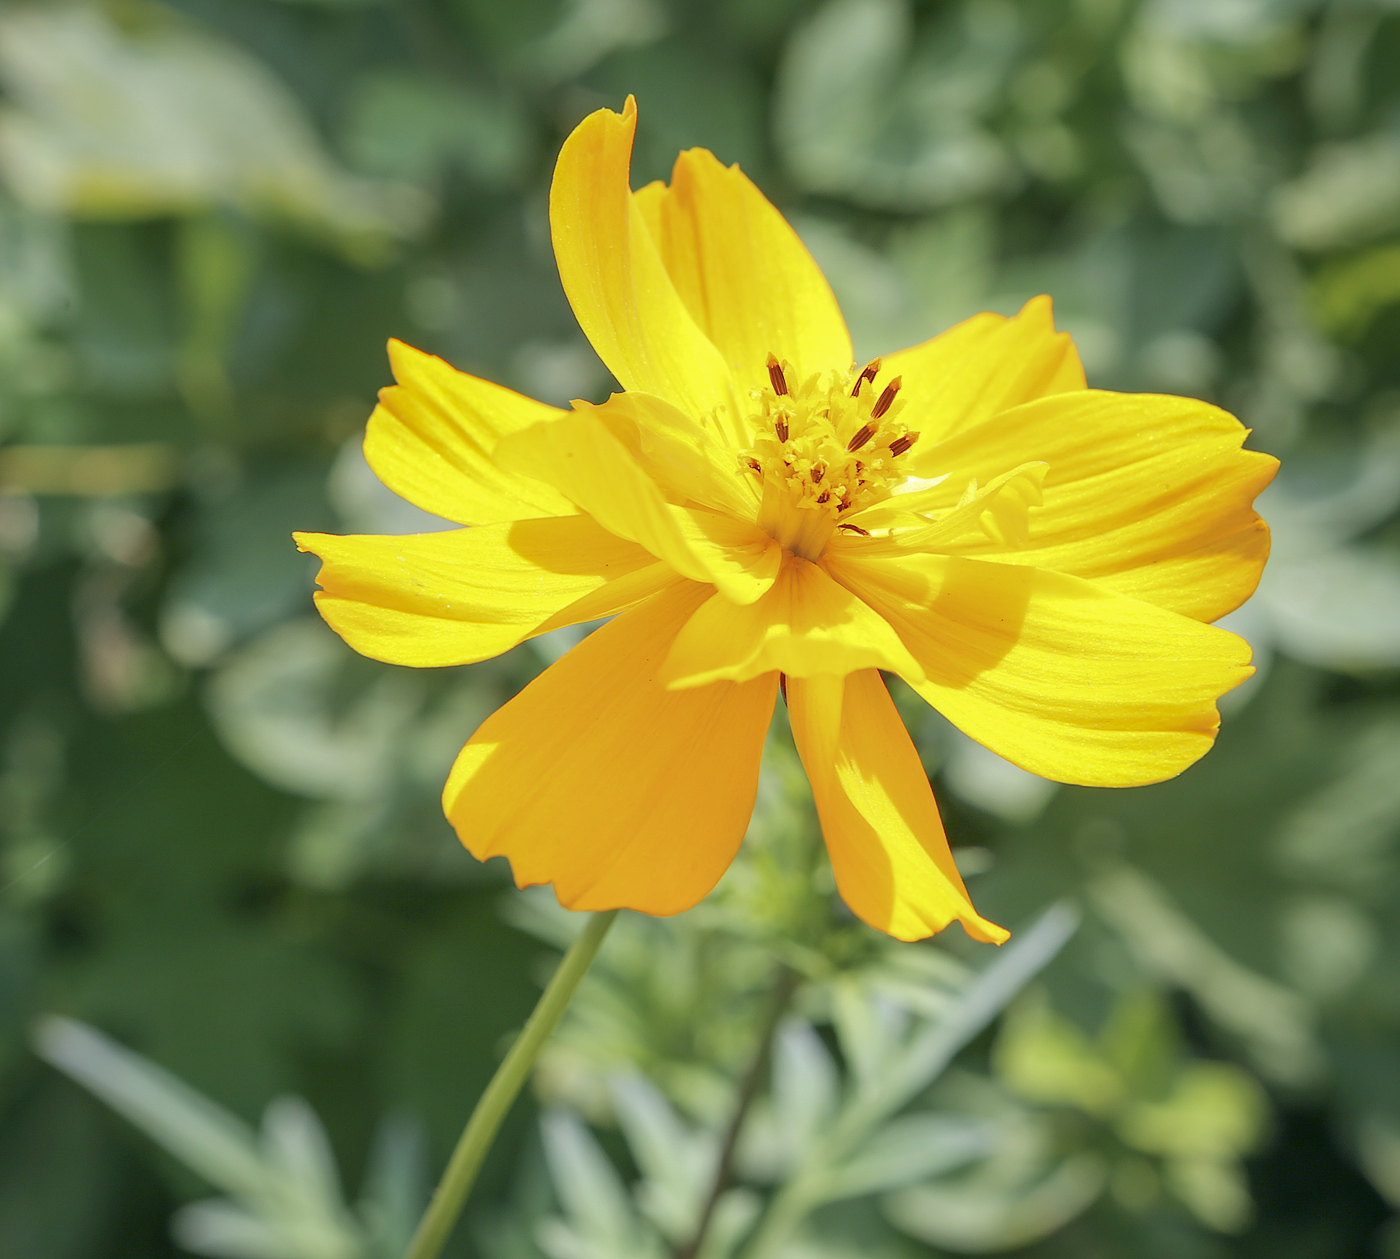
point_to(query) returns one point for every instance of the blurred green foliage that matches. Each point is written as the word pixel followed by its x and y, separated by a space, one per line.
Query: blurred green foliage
pixel 219 833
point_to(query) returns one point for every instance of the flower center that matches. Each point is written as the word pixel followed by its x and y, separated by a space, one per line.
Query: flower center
pixel 826 448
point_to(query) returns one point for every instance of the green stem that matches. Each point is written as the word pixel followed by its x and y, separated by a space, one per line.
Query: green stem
pixel 505 1086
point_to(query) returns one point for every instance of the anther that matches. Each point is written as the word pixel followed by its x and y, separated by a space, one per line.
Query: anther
pixel 775 375
pixel 866 431
pixel 901 444
pixel 782 686
pixel 781 427
pixel 886 399
pixel 818 471
pixel 824 496
pixel 753 463
pixel 871 370
pixel 864 533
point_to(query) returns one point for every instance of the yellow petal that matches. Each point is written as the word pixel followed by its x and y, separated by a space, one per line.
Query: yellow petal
pixel 431 437
pixel 614 278
pixel 881 825
pixel 805 625
pixel 978 368
pixel 464 595
pixel 581 457
pixel 688 458
pixel 598 779
pixel 1061 676
pixel 1149 495
pixel 742 272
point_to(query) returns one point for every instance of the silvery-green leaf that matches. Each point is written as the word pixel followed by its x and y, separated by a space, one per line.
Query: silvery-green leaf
pixel 103 121
pixel 915 1147
pixel 854 120
pixel 1274 1024
pixel 983 778
pixel 734 1215
pixel 298 1156
pixel 1350 193
pixel 595 1201
pixel 805 1081
pixel 677 1164
pixel 1339 609
pixel 870 1028
pixel 930 1051
pixel 1343 835
pixel 978 1218
pixel 225 1230
pixel 200 1133
pixel 271 704
pixel 396 1185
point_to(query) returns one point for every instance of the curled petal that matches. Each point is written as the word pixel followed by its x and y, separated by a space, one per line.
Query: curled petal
pixel 614 278
pixel 432 436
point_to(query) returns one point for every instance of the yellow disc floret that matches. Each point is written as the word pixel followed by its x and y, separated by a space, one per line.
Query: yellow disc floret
pixel 826 448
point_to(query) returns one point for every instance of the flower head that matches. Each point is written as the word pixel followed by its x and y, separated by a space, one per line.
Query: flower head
pixel 1038 560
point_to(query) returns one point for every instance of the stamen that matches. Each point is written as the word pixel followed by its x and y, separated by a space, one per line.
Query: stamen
pixel 871 370
pixel 818 471
pixel 901 444
pixel 753 463
pixel 824 496
pixel 781 427
pixel 864 533
pixel 886 399
pixel 776 377
pixel 864 433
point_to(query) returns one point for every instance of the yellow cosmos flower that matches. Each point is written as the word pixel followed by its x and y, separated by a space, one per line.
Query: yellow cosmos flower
pixel 1038 560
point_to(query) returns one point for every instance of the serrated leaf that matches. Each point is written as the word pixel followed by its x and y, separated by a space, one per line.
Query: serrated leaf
pixel 595 1201
pixel 677 1164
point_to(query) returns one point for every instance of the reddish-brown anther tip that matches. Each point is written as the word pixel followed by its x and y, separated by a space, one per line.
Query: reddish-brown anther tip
pixel 869 372
pixel 886 399
pixel 865 432
pixel 776 377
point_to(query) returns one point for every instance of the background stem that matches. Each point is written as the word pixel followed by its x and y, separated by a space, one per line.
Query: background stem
pixel 783 989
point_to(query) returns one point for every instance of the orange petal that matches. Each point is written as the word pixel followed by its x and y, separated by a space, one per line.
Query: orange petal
pixel 599 780
pixel 743 273
pixel 464 595
pixel 614 278
pixel 805 625
pixel 431 437
pixel 978 368
pixel 1148 495
pixel 891 858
